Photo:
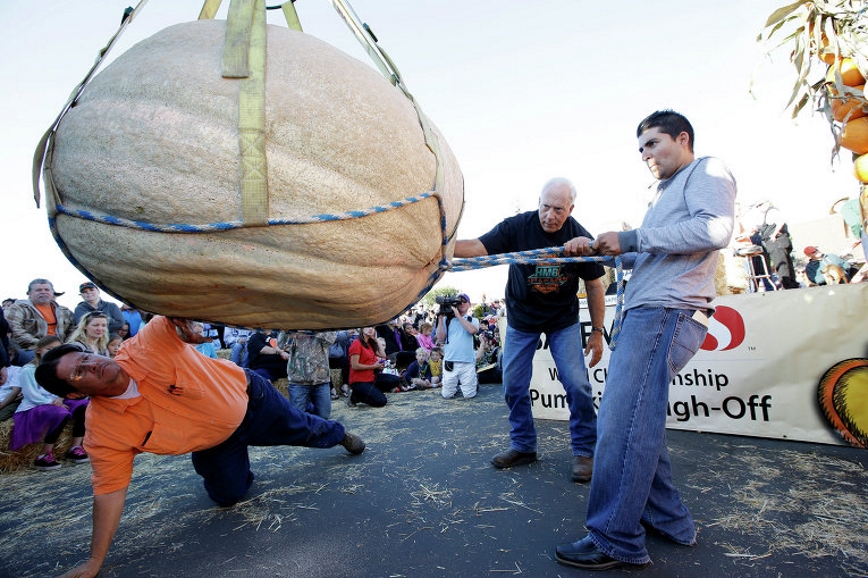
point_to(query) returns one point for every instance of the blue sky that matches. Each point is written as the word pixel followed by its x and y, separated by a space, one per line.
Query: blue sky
pixel 522 91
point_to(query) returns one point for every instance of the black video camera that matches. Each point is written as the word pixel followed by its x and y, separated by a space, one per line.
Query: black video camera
pixel 446 303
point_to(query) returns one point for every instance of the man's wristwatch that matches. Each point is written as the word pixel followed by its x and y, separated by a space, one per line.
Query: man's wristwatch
pixel 598 329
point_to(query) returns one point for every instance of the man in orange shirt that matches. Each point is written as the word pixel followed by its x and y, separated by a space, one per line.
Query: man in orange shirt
pixel 33 318
pixel 159 395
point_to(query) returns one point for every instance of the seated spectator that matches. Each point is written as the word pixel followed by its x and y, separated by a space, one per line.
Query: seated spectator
pixel 488 368
pixel 42 415
pixel 133 317
pixel 424 336
pixel 400 348
pixel 36 317
pixel 92 301
pixel 367 380
pixel 817 265
pixel 409 345
pixel 213 332
pixel 308 371
pixel 235 339
pixel 114 344
pixel 435 362
pixel 265 357
pixel 418 374
pixel 10 393
pixel 123 332
pixel 409 336
pixel 92 333
pixel 206 348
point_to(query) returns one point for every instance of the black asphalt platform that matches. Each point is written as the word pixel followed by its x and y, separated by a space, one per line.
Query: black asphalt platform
pixel 423 501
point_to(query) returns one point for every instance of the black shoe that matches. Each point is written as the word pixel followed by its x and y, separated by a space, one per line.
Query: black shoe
pixel 511 458
pixel 585 554
pixel 582 468
pixel 353 443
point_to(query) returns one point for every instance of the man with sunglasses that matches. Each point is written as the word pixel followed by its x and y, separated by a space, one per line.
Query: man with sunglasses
pixel 161 396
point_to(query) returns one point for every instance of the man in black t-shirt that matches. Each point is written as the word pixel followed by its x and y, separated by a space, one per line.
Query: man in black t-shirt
pixel 542 298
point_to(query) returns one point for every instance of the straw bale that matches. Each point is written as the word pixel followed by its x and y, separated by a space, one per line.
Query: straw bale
pixel 23 458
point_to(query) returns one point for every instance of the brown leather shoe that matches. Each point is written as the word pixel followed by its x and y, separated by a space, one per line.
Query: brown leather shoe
pixel 511 458
pixel 353 443
pixel 582 469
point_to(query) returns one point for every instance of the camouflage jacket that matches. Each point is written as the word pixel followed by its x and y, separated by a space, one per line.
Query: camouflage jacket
pixel 308 362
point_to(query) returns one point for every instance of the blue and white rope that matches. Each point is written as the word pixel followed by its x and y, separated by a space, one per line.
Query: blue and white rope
pixel 229 225
pixel 548 256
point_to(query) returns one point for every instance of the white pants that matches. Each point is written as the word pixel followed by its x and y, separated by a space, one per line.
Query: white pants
pixel 463 372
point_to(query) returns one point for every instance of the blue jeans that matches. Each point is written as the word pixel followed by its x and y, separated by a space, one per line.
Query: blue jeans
pixel 270 421
pixel 632 484
pixel 238 355
pixel 566 349
pixel 371 393
pixel 319 395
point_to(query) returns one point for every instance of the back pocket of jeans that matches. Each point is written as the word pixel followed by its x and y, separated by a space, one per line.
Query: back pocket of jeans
pixel 689 335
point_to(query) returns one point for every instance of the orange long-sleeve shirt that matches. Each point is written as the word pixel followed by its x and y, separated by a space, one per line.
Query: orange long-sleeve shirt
pixel 185 402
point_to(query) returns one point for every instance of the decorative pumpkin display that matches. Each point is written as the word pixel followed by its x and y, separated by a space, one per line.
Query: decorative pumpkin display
pixel 843 396
pixel 357 231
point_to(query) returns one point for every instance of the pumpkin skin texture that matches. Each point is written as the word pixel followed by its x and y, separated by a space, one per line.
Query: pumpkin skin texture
pixel 154 138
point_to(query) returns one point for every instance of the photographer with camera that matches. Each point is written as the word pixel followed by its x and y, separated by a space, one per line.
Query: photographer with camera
pixel 542 299
pixel 455 329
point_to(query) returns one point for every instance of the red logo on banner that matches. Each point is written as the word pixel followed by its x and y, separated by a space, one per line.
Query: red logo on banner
pixel 725 330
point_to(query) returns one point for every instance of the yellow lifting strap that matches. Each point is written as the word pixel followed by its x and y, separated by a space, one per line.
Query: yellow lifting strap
pixel 210 7
pixel 244 57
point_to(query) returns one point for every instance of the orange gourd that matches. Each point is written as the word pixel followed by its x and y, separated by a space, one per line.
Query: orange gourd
pixel 841 107
pixel 850 74
pixel 854 137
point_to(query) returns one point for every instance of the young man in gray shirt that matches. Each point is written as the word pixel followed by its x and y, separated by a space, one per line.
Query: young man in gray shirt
pixel 673 255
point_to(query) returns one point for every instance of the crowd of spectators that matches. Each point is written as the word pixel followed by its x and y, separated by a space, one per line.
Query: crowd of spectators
pixel 763 240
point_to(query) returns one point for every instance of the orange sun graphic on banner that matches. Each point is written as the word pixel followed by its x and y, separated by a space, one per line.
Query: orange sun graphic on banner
pixel 843 396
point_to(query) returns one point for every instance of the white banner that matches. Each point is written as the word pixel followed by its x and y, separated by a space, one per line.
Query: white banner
pixel 785 364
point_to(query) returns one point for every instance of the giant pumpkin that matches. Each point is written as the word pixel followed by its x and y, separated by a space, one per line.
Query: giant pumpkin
pixel 153 141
